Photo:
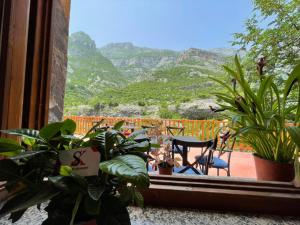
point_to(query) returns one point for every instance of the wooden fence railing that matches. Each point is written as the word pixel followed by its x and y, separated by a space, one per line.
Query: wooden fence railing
pixel 201 129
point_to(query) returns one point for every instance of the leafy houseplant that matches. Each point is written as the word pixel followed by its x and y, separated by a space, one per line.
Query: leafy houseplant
pixel 34 174
pixel 260 115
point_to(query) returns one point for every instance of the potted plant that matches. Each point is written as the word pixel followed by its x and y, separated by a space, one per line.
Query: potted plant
pixel 34 172
pixel 163 159
pixel 260 115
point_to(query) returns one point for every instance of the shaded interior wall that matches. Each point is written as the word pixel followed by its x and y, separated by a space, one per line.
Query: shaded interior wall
pixel 60 26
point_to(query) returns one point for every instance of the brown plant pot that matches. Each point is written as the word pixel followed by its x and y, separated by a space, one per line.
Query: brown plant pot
pixel 273 171
pixel 165 170
pixel 91 222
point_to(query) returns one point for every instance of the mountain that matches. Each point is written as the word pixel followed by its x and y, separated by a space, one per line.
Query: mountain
pixel 121 79
pixel 134 62
pixel 89 72
pixel 198 58
pixel 228 52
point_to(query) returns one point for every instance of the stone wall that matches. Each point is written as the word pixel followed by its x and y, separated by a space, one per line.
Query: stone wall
pixel 59 48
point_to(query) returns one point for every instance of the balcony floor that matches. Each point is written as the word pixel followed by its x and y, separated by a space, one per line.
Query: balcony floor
pixel 241 165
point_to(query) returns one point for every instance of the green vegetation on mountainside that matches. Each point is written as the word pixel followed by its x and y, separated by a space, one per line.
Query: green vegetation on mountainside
pixel 175 85
pixel 89 72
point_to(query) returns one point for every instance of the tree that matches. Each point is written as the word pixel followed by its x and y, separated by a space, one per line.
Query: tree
pixel 273 31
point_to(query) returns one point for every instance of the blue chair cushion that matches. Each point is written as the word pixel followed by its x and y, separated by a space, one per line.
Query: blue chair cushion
pixel 217 162
pixel 176 150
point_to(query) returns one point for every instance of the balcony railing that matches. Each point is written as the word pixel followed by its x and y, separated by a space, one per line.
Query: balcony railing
pixel 201 129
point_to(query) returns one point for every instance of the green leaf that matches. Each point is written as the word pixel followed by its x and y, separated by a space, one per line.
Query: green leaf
pixel 138 198
pixel 29 133
pixel 118 125
pixel 68 127
pixel 29 141
pixel 76 206
pixel 155 145
pixel 9 145
pixel 72 183
pixel 65 170
pixel 129 167
pixel 28 199
pixel 290 82
pixel 138 147
pixel 51 130
pixel 295 134
pixel 95 191
pixel 28 154
pixel 126 195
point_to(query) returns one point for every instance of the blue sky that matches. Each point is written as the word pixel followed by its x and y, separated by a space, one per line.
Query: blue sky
pixel 169 24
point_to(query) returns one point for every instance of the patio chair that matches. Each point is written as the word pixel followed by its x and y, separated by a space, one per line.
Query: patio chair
pixel 218 159
pixel 172 130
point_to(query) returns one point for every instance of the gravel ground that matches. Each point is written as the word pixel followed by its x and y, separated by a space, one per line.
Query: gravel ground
pixel 164 216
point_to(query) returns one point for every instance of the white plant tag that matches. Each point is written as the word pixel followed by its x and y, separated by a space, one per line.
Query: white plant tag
pixel 84 161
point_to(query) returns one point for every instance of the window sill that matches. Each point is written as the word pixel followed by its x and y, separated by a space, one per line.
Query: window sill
pixel 225 194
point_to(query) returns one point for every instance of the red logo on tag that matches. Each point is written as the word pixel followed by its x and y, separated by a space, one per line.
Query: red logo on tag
pixel 77 161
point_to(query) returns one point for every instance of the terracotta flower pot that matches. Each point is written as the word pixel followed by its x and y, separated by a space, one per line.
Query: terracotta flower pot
pixel 165 170
pixel 273 171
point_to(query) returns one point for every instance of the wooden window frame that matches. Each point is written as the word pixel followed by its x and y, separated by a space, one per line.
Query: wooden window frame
pixel 223 194
pixel 26 51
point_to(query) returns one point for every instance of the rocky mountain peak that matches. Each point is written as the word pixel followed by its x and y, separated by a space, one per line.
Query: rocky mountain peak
pixel 198 55
pixel 81 43
pixel 121 45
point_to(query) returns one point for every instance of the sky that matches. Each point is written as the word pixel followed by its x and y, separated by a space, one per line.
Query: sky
pixel 166 24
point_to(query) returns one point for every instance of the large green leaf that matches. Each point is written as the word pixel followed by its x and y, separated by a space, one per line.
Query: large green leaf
pixel 28 199
pixel 129 167
pixel 118 125
pixel 95 191
pixel 68 127
pixel 9 145
pixel 29 133
pixel 76 207
pixel 295 134
pixel 28 154
pixel 292 79
pixel 138 147
pixel 72 184
pixel 51 130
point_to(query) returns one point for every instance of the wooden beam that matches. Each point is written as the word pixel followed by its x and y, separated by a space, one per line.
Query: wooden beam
pixel 14 62
pixel 213 193
pixel 49 21
pixel 37 69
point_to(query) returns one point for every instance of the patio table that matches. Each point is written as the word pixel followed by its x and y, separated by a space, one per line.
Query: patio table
pixel 186 142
